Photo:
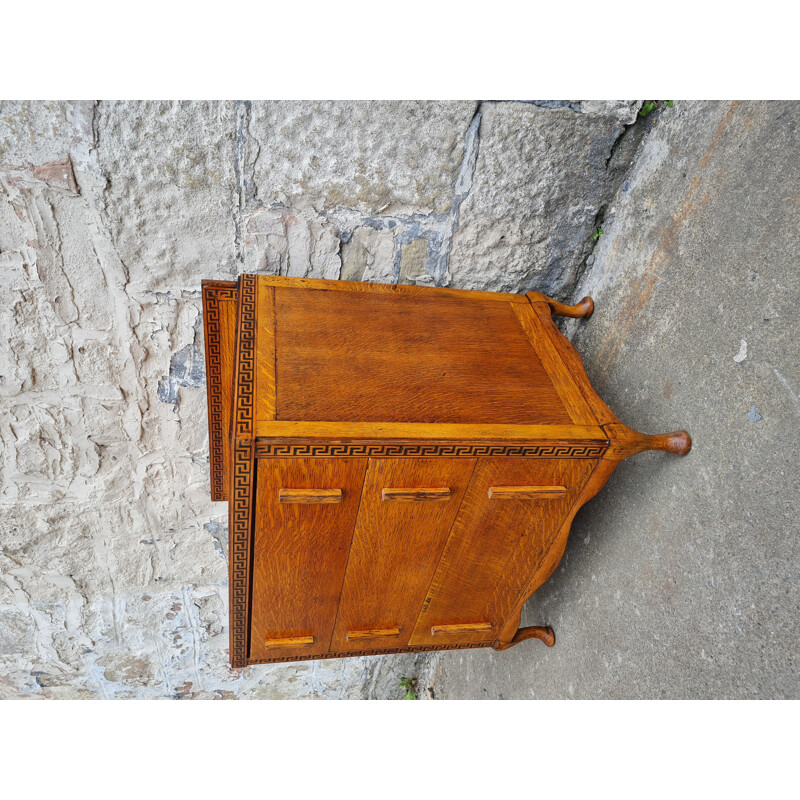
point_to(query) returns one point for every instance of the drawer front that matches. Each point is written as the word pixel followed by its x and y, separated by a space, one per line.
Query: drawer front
pixel 305 512
pixel 407 509
pixel 512 509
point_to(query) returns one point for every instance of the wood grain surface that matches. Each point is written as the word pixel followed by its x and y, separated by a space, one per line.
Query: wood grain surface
pixel 574 363
pixel 388 289
pixel 396 546
pixel 566 387
pixel 373 634
pixel 374 357
pixel 518 434
pixel 219 330
pixel 309 495
pixel 491 541
pixel 462 627
pixel 265 354
pixel 415 495
pixel 525 492
pixel 300 551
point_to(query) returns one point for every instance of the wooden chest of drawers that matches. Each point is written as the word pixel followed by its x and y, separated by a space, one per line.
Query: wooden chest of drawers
pixel 402 464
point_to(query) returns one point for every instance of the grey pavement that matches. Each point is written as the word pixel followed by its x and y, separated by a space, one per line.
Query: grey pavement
pixel 681 578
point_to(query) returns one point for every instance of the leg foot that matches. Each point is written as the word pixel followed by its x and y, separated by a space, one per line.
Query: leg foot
pixel 582 309
pixel 626 442
pixel 543 634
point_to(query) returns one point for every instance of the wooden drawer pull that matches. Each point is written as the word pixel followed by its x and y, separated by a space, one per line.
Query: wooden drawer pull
pixel 372 634
pixel 310 496
pixel 415 495
pixel 290 641
pixel 526 492
pixel 465 627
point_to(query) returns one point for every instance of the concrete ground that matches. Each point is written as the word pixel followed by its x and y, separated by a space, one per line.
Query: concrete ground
pixel 680 579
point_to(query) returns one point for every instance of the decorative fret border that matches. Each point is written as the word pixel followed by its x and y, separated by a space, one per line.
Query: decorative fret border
pixel 214 293
pixel 239 512
pixel 240 509
pixel 245 355
pixel 281 448
pixel 410 649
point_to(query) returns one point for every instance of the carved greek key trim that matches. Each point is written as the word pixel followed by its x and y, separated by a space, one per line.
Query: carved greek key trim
pixel 245 355
pixel 240 511
pixel 380 652
pixel 281 448
pixel 215 293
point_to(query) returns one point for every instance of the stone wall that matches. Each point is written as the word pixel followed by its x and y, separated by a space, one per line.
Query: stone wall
pixel 112 557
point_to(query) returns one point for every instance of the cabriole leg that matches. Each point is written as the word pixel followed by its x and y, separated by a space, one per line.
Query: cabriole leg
pixel 543 634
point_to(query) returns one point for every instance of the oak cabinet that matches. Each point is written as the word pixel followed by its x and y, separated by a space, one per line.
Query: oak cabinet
pixel 402 464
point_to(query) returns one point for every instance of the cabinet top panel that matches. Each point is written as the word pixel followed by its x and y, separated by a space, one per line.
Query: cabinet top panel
pixel 378 353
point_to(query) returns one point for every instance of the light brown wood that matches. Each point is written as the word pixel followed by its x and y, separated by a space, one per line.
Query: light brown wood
pixel 569 393
pixel 339 431
pixel 531 573
pixel 354 357
pixel 372 634
pixel 265 354
pixel 460 628
pixel 290 641
pixel 492 544
pixel 415 495
pixel 396 546
pixel 389 289
pixel 626 442
pixel 385 398
pixel 300 550
pixel 526 492
pixel 561 346
pixel 543 634
pixel 582 309
pixel 219 329
pixel 309 495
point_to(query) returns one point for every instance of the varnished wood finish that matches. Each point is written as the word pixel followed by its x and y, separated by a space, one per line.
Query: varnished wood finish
pixel 341 414
pixel 507 434
pixel 561 378
pixel 415 495
pixel 381 633
pixel 526 492
pixel 543 634
pixel 354 357
pixel 626 442
pixel 290 641
pixel 493 543
pixel 242 483
pixel 396 546
pixel 265 354
pixel 301 549
pixel 310 496
pixel 570 358
pixel 461 628
pixel 584 308
pixel 219 330
pixel 388 289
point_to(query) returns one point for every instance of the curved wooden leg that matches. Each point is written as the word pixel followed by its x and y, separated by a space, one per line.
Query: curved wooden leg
pixel 582 309
pixel 627 442
pixel 543 634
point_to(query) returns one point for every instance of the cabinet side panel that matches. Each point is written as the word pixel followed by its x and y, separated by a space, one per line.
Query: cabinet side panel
pixel 396 546
pixel 533 550
pixel 300 552
pixel 478 560
pixel 370 357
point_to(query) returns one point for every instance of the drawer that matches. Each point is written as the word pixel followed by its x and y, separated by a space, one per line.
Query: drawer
pixel 407 509
pixel 305 510
pixel 511 511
